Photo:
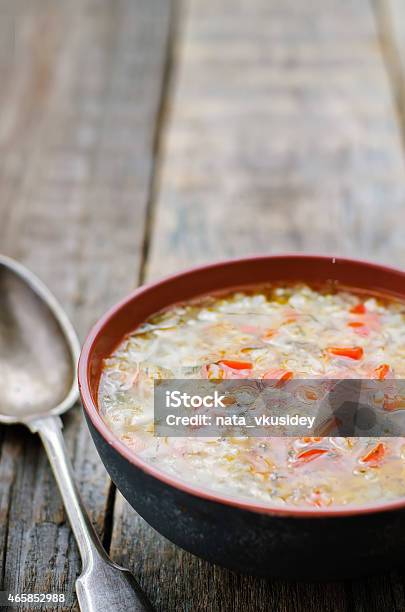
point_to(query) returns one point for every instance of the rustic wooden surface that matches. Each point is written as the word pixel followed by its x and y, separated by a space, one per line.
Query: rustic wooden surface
pixel 138 137
pixel 79 100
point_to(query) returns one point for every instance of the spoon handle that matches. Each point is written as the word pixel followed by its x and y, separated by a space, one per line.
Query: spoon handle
pixel 103 586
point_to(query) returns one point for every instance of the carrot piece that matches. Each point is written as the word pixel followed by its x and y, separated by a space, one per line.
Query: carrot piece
pixel 311 395
pixel 355 352
pixel 281 376
pixel 375 455
pixel 393 402
pixel 381 371
pixel 358 309
pixel 356 324
pixel 309 455
pixel 268 333
pixel 236 365
pixel 229 400
pixel 390 404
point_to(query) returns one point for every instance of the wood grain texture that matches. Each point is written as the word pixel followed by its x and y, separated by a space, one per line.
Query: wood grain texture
pixel 79 96
pixel 281 134
pixel 391 19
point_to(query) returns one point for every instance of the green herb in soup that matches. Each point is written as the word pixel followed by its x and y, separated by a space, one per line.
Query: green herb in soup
pixel 278 332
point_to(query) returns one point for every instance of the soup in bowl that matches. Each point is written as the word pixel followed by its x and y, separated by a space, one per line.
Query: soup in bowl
pixel 241 500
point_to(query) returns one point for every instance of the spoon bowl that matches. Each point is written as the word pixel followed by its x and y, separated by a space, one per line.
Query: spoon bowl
pixel 38 348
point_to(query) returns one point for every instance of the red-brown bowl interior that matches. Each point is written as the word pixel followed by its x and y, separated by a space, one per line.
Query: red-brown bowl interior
pixel 149 299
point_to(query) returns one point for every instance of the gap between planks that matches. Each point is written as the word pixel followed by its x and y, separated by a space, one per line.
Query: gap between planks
pixel 162 119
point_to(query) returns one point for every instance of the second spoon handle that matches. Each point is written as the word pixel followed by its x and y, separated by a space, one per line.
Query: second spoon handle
pixel 102 586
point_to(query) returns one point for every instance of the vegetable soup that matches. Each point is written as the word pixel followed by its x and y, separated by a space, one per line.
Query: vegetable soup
pixel 272 332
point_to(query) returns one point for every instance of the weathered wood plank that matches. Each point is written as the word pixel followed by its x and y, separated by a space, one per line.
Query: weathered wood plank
pixel 281 135
pixel 391 20
pixel 79 97
pixel 279 108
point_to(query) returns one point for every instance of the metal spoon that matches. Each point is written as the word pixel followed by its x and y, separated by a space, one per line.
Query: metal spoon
pixel 38 355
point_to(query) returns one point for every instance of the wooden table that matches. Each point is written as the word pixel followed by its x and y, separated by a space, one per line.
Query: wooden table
pixel 138 137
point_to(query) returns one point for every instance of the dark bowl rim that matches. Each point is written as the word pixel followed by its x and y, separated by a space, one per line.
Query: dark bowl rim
pixel 97 421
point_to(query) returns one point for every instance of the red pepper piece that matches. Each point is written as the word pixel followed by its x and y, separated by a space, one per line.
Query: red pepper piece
pixel 381 371
pixel 375 455
pixel 236 365
pixel 310 455
pixel 358 309
pixel 355 352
